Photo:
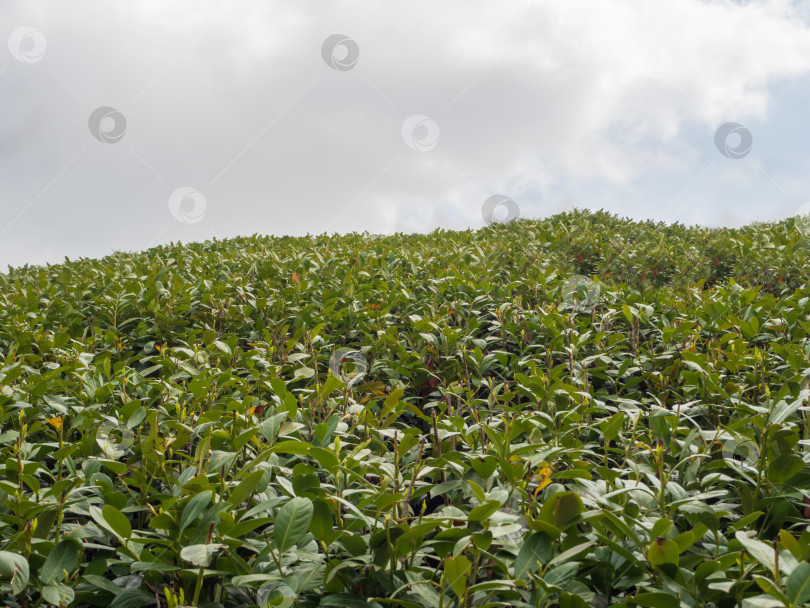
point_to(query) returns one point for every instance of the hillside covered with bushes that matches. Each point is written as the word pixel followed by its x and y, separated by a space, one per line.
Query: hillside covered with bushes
pixel 581 410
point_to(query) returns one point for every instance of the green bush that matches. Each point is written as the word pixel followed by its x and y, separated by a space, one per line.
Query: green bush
pixel 177 427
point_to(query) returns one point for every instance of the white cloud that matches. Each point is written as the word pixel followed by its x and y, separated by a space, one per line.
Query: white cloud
pixel 538 99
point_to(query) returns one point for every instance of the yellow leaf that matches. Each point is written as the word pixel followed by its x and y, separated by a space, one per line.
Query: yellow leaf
pixel 543 483
pixel 55 422
pixel 544 475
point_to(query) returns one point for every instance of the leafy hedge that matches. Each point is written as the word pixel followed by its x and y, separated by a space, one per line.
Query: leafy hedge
pixel 501 435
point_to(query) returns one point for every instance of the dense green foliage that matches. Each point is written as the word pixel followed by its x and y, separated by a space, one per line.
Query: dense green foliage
pixel 172 434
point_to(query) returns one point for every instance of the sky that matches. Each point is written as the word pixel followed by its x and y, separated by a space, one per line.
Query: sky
pixel 125 125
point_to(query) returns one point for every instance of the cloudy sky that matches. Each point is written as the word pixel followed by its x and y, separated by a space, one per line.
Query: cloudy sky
pixel 129 124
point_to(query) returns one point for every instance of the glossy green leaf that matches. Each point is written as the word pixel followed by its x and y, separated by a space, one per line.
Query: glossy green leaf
pixel 292 522
pixel 61 562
